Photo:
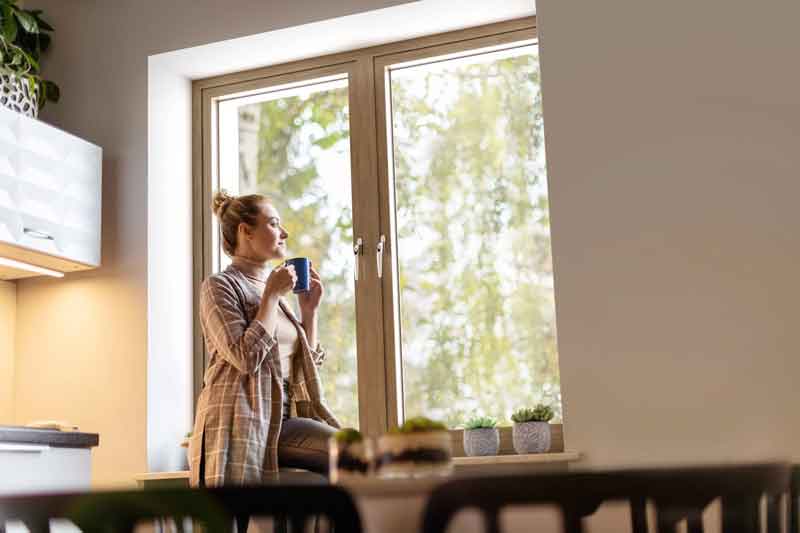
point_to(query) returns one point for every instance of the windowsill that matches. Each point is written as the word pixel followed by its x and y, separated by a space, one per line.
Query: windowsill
pixel 391 487
pixel 530 458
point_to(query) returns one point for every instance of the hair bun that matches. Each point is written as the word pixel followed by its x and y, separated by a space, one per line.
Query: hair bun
pixel 221 202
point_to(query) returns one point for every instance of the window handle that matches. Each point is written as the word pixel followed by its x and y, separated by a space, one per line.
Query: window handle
pixel 358 249
pixel 37 234
pixel 379 255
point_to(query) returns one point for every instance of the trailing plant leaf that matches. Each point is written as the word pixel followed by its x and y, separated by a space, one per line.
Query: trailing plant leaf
pixel 9 24
pixel 51 90
pixel 23 38
pixel 27 21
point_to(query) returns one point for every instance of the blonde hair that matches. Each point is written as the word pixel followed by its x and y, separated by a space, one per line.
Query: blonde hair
pixel 232 211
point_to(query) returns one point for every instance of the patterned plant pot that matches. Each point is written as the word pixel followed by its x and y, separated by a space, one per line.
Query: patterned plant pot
pixel 16 94
pixel 422 454
pixel 481 441
pixel 349 459
pixel 531 437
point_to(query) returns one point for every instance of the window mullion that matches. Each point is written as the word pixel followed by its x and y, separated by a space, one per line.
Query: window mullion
pixel 369 325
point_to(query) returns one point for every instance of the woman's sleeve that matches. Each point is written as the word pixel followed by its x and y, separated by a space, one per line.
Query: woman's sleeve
pixel 245 346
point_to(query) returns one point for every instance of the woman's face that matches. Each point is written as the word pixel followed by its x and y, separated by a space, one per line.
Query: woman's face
pixel 267 239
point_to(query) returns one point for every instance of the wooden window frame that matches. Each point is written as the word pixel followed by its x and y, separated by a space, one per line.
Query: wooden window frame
pixel 379 368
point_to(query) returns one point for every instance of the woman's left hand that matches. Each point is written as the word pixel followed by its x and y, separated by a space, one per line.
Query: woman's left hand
pixel 309 301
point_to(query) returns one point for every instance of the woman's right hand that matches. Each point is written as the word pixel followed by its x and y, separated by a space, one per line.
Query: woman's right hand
pixel 280 282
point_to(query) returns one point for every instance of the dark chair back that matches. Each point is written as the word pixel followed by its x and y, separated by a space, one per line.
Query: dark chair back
pixel 677 494
pixel 794 501
pixel 121 511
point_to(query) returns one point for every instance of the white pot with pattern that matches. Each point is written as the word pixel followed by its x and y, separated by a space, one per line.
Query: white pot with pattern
pixel 531 437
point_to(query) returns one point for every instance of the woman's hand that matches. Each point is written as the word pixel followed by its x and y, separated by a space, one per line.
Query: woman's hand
pixel 280 282
pixel 309 301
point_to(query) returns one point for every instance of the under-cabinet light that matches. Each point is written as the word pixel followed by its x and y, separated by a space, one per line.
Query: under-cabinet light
pixel 30 268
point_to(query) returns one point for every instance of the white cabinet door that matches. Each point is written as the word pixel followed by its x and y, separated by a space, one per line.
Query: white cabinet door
pixel 31 468
pixel 50 190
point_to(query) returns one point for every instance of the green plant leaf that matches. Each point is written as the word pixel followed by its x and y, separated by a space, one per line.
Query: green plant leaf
pixel 27 21
pixel 52 90
pixel 43 26
pixel 9 24
pixel 44 42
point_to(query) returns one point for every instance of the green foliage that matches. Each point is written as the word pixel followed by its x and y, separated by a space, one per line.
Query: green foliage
pixel 477 308
pixel 477 311
pixel 481 422
pixel 420 424
pixel 540 413
pixel 24 36
pixel 348 436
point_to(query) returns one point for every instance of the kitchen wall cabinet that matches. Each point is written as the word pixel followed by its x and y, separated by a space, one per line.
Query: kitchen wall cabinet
pixel 50 197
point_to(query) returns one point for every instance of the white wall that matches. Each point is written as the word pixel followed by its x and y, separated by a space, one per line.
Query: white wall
pixel 8 320
pixel 673 147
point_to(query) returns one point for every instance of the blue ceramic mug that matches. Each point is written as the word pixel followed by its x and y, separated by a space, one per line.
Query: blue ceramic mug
pixel 302 268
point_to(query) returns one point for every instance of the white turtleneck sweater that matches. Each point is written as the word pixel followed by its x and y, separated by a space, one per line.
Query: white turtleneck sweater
pixel 285 332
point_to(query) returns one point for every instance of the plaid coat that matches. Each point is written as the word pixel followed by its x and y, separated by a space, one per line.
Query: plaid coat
pixel 240 409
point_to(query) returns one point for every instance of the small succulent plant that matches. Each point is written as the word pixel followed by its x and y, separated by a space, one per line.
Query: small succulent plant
pixel 419 424
pixel 540 413
pixel 348 436
pixel 481 422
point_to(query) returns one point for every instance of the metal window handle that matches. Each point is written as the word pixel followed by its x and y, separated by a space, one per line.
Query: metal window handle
pixel 358 249
pixel 37 234
pixel 379 255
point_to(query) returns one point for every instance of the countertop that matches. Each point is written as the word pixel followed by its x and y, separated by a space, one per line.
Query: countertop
pixel 48 437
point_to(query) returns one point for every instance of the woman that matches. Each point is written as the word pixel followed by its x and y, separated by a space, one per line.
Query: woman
pixel 261 404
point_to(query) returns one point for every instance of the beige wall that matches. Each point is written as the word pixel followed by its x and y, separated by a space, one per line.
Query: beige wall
pixel 83 340
pixel 672 134
pixel 8 320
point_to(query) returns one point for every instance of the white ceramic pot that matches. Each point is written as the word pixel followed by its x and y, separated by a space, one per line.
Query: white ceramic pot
pixel 531 437
pixel 481 441
pixel 16 94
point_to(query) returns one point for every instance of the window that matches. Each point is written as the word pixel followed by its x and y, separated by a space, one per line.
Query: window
pixel 413 175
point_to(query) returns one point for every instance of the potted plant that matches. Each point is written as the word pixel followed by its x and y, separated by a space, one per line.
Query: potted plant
pixel 350 455
pixel 24 36
pixel 531 432
pixel 481 436
pixel 419 447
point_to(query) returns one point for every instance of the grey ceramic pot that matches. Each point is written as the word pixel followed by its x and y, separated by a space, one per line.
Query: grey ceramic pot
pixel 481 441
pixel 531 437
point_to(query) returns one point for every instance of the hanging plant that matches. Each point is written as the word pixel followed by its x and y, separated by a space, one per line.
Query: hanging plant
pixel 24 37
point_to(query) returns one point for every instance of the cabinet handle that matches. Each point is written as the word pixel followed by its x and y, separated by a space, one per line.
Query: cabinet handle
pixel 358 249
pixel 379 255
pixel 38 234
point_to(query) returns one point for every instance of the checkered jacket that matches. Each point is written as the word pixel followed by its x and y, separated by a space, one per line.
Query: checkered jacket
pixel 240 409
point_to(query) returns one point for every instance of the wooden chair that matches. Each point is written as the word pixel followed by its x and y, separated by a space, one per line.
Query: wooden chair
pixel 677 494
pixel 215 509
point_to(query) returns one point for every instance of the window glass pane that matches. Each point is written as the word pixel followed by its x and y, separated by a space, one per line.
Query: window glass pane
pixel 477 309
pixel 293 145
